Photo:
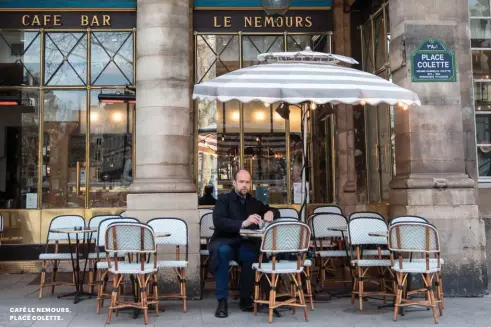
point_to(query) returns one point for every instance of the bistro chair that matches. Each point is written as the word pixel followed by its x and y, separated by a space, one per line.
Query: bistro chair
pixel 289 213
pixel 328 209
pixel 123 214
pixel 203 211
pixel 101 265
pixel 439 281
pixel 359 230
pixel 366 215
pixel 282 237
pixel 323 239
pixel 136 238
pixel 178 230
pixel 96 256
pixel 55 256
pixel 408 218
pixel 419 239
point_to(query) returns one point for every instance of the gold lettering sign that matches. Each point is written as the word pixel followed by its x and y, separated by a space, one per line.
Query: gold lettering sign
pixel 57 20
pixel 270 22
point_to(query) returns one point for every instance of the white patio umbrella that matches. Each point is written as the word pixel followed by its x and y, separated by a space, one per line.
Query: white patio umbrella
pixel 301 78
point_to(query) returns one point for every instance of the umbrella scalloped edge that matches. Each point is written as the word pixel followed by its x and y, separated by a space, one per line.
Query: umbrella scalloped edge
pixel 320 101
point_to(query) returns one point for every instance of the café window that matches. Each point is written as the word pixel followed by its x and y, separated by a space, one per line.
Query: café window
pixel 253 136
pixel 62 148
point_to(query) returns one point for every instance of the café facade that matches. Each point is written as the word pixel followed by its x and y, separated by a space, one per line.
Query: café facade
pixel 97 118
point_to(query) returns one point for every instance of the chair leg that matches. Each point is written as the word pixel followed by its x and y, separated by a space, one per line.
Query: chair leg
pixel 53 276
pixel 439 290
pixel 360 288
pixel 272 297
pixel 308 282
pixel 355 289
pixel 256 291
pixel 302 297
pixel 143 295
pixel 114 296
pixel 183 290
pixel 293 293
pixel 399 290
pixel 428 281
pixel 99 292
pixel 156 294
pixel 43 279
pixel 91 275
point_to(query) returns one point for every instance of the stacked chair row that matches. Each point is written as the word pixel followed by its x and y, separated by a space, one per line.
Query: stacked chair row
pixel 123 248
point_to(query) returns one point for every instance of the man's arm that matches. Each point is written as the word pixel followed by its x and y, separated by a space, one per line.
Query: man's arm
pixel 221 218
pixel 266 208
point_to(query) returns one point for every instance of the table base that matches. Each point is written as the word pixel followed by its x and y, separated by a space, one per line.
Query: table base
pixel 77 295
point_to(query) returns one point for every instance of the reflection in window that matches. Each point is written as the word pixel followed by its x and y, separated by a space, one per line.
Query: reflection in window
pixel 265 152
pixel 112 58
pixel 216 55
pixel 64 172
pixel 479 8
pixel 19 133
pixel 483 136
pixel 19 58
pixel 111 127
pixel 319 43
pixel 65 59
pixel 255 45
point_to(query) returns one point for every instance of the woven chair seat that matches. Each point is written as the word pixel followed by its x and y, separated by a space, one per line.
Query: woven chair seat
pixel 204 252
pixel 133 268
pixel 442 262
pixel 339 253
pixel 281 267
pixel 374 252
pixel 172 264
pixel 416 267
pixel 58 256
pixel 372 263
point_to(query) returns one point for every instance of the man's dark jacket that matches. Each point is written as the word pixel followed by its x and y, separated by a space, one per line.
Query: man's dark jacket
pixel 228 215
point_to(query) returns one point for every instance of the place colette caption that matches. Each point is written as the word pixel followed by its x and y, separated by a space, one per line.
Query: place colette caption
pixel 37 314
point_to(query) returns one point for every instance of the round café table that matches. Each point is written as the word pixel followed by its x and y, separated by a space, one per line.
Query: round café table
pixel 79 278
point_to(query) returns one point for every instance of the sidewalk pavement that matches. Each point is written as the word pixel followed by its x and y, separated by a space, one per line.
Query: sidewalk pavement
pixel 19 292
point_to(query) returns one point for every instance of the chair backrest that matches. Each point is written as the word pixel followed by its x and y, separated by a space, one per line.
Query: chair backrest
pixel 286 237
pixel 123 214
pixel 289 213
pixel 65 222
pixel 177 228
pixel 408 218
pixel 321 223
pixel 96 220
pixel 206 225
pixel 101 231
pixel 203 211
pixel 412 237
pixel 130 237
pixel 328 209
pixel 360 227
pixel 366 215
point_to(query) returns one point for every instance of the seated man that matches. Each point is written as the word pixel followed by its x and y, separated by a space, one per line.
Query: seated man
pixel 234 211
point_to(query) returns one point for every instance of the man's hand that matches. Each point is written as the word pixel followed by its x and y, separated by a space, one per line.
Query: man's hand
pixel 252 219
pixel 269 216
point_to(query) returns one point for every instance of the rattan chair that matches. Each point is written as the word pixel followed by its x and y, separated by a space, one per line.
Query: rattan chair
pixel 96 256
pixel 282 237
pixel 136 238
pixel 55 256
pixel 289 213
pixel 416 239
pixel 323 238
pixel 178 230
pixel 359 229
pixel 101 265
pixel 328 209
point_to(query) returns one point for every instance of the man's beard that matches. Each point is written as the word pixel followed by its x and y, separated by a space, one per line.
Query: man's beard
pixel 242 192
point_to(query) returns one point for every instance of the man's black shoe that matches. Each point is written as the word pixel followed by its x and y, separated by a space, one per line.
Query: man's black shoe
pixel 222 309
pixel 246 304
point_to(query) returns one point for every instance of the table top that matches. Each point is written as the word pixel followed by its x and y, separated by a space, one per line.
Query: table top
pixel 162 234
pixel 378 234
pixel 72 230
pixel 252 233
pixel 342 229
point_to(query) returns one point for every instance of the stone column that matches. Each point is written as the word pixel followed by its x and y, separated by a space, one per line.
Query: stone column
pixel 432 178
pixel 345 135
pixel 163 185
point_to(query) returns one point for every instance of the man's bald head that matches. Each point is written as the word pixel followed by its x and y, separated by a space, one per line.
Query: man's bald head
pixel 242 183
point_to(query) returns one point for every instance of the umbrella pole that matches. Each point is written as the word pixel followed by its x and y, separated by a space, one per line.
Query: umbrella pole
pixel 304 162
